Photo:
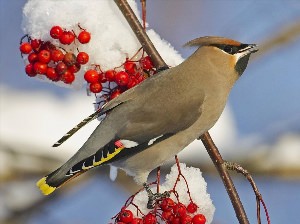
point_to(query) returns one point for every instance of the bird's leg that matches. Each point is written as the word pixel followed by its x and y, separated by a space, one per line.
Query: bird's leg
pixel 154 197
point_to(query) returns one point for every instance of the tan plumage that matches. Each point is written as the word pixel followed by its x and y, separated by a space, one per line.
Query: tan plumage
pixel 155 120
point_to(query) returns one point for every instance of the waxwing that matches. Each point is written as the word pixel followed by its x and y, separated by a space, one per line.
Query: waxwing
pixel 152 122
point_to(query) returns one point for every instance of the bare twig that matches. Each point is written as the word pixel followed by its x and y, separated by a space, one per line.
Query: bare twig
pixel 259 199
pixel 205 138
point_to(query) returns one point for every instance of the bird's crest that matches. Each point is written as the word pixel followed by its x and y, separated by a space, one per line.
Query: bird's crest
pixel 211 40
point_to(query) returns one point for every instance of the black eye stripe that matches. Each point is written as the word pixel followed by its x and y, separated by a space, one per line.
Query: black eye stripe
pixel 230 49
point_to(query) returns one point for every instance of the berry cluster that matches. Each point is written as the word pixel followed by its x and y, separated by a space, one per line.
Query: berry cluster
pixel 44 58
pixel 168 211
pixel 165 209
pixel 50 59
pixel 120 79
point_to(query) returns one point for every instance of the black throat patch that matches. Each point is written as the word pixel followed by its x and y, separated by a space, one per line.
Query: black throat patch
pixel 241 64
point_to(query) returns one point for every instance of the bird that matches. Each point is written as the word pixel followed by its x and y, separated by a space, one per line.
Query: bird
pixel 152 122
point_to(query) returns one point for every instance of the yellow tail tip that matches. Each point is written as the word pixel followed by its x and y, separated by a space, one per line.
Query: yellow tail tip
pixel 44 187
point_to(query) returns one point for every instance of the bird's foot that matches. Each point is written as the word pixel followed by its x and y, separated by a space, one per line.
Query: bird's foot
pixel 154 197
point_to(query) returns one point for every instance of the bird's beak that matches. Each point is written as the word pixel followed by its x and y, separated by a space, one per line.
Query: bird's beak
pixel 247 50
pixel 250 48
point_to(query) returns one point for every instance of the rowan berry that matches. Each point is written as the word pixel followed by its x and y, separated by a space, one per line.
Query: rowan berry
pixel 122 78
pixel 36 44
pixel 29 69
pixel 68 77
pixel 130 67
pixel 52 74
pixel 186 220
pixel 56 32
pixel 84 37
pixel 146 63
pixel 74 68
pixel 192 207
pixel 125 216
pixel 57 55
pixel 95 87
pixel 44 56
pixel 61 68
pixel 149 219
pixel 179 210
pixel 110 75
pixel 67 37
pixel 25 48
pixel 40 68
pixel 32 57
pixel 199 219
pixel 91 76
pixel 69 59
pixel 82 58
pixel 167 204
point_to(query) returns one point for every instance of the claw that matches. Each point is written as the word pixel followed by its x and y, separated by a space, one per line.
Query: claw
pixel 154 197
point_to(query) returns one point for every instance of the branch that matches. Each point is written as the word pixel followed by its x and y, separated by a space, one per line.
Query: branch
pixel 205 138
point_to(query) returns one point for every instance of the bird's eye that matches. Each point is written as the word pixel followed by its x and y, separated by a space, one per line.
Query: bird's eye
pixel 228 49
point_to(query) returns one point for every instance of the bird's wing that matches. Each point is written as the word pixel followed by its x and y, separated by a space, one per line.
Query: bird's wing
pixel 144 128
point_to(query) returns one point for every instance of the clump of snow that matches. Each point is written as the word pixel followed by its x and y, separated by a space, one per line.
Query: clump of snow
pixel 197 187
pixel 112 38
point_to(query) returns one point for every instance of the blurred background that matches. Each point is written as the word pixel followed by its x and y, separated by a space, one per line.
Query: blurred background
pixel 260 127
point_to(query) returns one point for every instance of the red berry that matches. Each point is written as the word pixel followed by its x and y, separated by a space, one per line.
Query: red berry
pixel 102 78
pixel 91 76
pixel 130 67
pixel 125 216
pixel 192 207
pixel 175 220
pixel 40 68
pixel 32 57
pixel 56 32
pixel 61 68
pixel 57 55
pixel 51 74
pixel 146 63
pixel 115 94
pixel 167 204
pixel 44 56
pixel 132 82
pixel 69 59
pixel 68 77
pixel 74 68
pixel 122 78
pixel 67 37
pixel 110 75
pixel 141 78
pixel 149 219
pixel 186 220
pixel 95 87
pixel 82 58
pixel 84 37
pixel 199 219
pixel 47 46
pixel 36 44
pixel 179 210
pixel 137 221
pixel 25 48
pixel 166 215
pixel 29 69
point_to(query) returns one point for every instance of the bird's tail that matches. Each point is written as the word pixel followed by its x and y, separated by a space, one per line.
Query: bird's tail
pixel 54 180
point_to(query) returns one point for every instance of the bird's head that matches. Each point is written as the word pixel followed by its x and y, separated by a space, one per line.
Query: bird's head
pixel 225 54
